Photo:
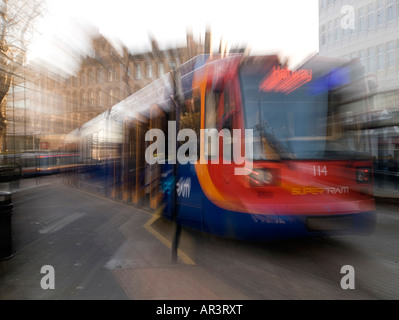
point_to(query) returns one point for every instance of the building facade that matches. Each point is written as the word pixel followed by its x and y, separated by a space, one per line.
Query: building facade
pixel 368 30
pixel 45 104
pixel 364 29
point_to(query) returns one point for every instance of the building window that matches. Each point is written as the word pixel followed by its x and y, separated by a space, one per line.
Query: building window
pixel 67 102
pixel 115 73
pixel 110 74
pixel 160 69
pixel 362 57
pixel 137 71
pixel 51 83
pixel 322 40
pixel 346 33
pixel 380 57
pixel 370 66
pixel 74 101
pixel 362 19
pixel 370 16
pixel 91 99
pixel 380 12
pixel 60 103
pixel 390 10
pixel 338 30
pixel 91 76
pixel 100 75
pixel 148 70
pixel 111 97
pixel 83 78
pixel 330 32
pixel 83 100
pixel 391 54
pixel 100 99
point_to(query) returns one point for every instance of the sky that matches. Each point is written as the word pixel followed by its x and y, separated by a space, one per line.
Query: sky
pixel 287 27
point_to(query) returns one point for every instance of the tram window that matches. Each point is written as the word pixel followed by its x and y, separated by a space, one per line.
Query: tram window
pixel 228 106
pixel 211 120
pixel 87 144
pixel 101 148
pixel 94 150
pixel 211 102
pixel 190 114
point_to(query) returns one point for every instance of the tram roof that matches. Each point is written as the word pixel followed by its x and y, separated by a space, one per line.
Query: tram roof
pixel 323 65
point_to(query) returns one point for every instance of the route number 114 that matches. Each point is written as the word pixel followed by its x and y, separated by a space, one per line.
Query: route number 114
pixel 319 171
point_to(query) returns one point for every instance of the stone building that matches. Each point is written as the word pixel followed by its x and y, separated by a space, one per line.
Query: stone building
pixel 45 104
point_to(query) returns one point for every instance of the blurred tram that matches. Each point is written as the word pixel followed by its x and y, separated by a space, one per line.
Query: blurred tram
pixel 310 173
pixel 34 164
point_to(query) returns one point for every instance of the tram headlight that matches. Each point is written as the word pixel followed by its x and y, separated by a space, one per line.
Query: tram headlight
pixel 264 177
pixel 363 175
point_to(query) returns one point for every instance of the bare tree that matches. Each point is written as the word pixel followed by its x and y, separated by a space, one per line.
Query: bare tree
pixel 17 19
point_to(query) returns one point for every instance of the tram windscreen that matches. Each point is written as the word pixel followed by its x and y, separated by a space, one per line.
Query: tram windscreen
pixel 305 116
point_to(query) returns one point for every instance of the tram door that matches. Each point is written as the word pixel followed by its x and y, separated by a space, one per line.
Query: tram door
pixel 129 161
pixel 157 121
pixel 189 198
pixel 141 196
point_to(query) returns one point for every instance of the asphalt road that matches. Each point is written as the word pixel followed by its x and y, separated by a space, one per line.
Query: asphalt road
pixel 102 249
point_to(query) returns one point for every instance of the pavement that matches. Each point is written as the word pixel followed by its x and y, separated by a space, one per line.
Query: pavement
pixel 91 259
pixel 26 184
pixel 94 261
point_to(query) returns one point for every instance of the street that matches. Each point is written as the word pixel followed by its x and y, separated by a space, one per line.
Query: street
pixel 102 249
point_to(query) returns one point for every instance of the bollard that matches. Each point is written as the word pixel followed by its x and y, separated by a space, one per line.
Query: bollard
pixel 5 225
